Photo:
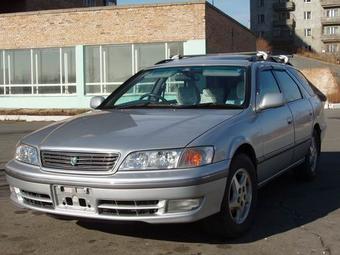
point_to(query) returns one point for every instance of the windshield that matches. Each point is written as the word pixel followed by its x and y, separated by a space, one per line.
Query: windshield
pixel 183 87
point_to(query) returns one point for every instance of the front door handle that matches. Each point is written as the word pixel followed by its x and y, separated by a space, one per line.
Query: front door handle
pixel 289 121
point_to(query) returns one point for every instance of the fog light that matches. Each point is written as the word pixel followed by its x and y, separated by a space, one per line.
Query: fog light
pixel 16 192
pixel 183 205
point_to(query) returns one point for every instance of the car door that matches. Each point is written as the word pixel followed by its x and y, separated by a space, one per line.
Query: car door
pixel 301 109
pixel 277 131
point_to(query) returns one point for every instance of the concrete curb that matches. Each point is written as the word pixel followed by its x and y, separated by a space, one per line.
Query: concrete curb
pixel 332 106
pixel 30 118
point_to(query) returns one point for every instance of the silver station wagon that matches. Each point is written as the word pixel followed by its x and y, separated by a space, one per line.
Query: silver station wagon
pixel 188 139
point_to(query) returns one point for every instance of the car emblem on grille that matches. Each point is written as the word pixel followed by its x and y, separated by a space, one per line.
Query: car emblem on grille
pixel 74 161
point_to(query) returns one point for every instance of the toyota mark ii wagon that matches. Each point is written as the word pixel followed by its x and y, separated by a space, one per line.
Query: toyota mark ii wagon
pixel 185 140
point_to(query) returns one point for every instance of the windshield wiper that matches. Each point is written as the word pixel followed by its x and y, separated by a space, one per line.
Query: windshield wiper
pixel 211 106
pixel 143 105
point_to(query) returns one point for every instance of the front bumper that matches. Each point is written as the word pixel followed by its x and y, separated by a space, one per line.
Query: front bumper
pixel 145 198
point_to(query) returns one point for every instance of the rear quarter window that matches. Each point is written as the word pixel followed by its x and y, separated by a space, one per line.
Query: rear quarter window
pixel 309 87
pixel 288 85
pixel 303 81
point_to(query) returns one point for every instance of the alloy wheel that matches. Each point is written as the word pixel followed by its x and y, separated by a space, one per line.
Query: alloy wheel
pixel 240 196
pixel 313 155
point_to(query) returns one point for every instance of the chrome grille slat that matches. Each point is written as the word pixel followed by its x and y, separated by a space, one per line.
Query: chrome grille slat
pixel 60 161
pixel 81 159
pixel 84 161
pixel 110 206
pixel 130 208
pixel 84 156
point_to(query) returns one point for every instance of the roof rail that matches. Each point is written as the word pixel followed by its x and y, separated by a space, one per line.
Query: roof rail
pixel 254 56
pixel 262 54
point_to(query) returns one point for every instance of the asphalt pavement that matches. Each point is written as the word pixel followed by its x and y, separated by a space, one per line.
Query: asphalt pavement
pixel 292 218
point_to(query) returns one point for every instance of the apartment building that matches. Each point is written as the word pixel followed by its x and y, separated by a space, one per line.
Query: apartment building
pixel 293 24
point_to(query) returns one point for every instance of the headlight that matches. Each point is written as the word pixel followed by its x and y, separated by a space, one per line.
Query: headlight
pixel 27 154
pixel 168 159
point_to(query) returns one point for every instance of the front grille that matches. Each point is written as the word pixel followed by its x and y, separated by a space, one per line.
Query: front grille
pixel 79 161
pixel 36 199
pixel 130 208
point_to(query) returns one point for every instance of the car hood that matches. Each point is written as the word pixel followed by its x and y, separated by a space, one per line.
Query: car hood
pixel 127 130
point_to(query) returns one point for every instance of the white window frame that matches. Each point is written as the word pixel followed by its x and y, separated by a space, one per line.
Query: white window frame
pixel 305 15
pixel 34 84
pixel 308 32
pixel 134 58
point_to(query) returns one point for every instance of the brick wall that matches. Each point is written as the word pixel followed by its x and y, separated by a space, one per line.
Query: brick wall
pixel 225 34
pixel 125 24
pixel 103 25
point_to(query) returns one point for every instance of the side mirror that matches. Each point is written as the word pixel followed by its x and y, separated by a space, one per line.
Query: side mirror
pixel 96 101
pixel 271 100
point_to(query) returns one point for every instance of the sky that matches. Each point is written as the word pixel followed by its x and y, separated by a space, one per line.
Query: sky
pixel 238 9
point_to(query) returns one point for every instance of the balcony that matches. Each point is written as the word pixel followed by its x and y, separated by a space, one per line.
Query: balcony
pixel 330 20
pixel 284 6
pixel 286 22
pixel 329 3
pixel 331 38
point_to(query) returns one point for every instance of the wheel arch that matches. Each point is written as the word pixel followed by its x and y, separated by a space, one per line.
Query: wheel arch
pixel 248 150
pixel 317 128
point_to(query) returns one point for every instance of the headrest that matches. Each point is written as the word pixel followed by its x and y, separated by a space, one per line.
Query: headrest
pixel 188 94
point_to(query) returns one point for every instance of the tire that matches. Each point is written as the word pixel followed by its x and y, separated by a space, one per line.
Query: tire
pixel 308 170
pixel 231 221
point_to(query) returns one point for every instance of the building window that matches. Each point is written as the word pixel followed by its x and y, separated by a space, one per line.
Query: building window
pixel 110 2
pixel 307 15
pixel 331 30
pixel 149 54
pixel 307 1
pixel 261 19
pixel 2 74
pixel 332 48
pixel 89 2
pixel 331 13
pixel 38 71
pixel 108 66
pixel 260 3
pixel 308 32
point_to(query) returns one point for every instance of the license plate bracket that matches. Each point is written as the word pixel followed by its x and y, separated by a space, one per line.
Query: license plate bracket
pixel 74 198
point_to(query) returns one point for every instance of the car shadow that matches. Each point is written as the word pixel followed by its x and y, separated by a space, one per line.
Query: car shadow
pixel 284 204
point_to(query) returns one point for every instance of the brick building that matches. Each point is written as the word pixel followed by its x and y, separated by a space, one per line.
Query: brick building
pixel 61 58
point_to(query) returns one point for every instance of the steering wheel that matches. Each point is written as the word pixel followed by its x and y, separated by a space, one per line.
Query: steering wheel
pixel 155 96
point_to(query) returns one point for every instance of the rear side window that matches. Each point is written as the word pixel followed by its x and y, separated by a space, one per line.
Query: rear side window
pixel 289 87
pixel 267 83
pixel 302 79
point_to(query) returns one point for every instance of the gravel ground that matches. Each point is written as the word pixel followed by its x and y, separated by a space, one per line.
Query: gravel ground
pixel 293 217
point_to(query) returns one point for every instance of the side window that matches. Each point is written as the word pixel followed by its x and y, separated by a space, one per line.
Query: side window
pixel 267 83
pixel 302 79
pixel 289 87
